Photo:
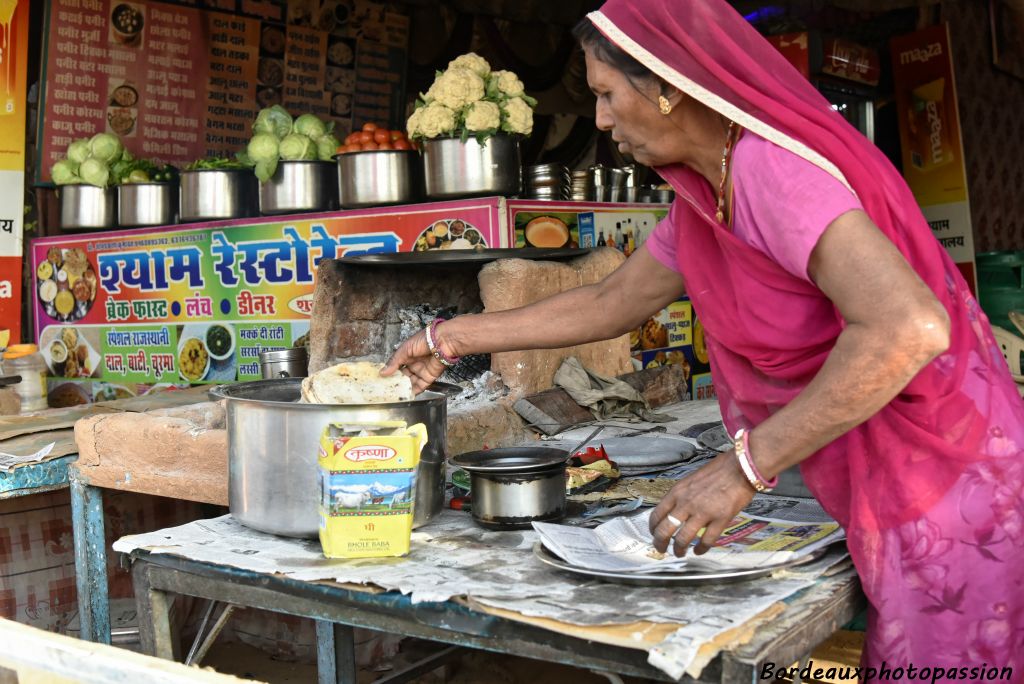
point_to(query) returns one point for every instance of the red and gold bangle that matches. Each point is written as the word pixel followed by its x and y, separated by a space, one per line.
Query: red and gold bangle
pixel 431 332
pixel 741 445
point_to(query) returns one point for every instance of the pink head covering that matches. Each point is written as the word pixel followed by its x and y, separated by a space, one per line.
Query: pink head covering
pixel 903 459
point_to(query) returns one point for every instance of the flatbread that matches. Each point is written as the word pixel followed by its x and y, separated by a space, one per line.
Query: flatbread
pixel 357 382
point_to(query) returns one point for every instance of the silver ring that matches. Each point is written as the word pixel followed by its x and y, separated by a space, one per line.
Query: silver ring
pixel 674 520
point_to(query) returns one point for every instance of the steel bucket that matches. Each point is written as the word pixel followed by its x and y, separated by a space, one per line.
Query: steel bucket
pixel 213 194
pixel 299 186
pixel 452 168
pixel 146 204
pixel 87 207
pixel 375 177
pixel 272 452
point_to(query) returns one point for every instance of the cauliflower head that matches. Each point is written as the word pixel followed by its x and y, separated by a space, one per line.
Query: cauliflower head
pixel 472 61
pixel 456 88
pixel 508 83
pixel 483 116
pixel 518 116
pixel 431 121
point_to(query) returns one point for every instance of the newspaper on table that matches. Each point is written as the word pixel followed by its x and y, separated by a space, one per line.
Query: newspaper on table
pixel 625 544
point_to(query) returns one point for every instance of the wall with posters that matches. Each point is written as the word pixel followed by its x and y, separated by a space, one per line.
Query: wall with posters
pixel 178 81
pixel 930 138
pixel 13 75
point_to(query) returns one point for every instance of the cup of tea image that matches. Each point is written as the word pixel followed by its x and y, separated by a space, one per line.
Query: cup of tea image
pixel 546 232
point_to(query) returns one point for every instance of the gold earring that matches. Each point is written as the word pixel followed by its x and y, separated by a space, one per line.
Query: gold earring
pixel 664 106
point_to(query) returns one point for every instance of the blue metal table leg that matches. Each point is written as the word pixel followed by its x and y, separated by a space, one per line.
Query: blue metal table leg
pixel 90 561
pixel 335 653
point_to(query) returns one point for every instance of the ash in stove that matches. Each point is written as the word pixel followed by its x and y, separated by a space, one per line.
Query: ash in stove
pixel 469 368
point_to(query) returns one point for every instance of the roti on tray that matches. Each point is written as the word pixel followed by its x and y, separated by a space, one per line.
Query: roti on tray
pixel 357 382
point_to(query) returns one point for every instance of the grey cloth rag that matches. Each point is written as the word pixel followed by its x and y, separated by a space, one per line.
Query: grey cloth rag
pixel 606 397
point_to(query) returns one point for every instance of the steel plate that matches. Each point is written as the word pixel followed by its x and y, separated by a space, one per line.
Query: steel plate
pixel 669 578
pixel 459 256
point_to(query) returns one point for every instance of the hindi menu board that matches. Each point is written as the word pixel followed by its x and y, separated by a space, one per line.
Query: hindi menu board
pixel 195 304
pixel 178 81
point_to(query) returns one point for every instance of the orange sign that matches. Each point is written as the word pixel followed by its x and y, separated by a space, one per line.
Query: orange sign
pixel 930 137
pixel 13 69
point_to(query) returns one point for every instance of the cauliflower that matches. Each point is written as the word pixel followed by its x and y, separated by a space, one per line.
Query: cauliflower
pixel 456 88
pixel 472 61
pixel 518 116
pixel 506 83
pixel 483 116
pixel 431 121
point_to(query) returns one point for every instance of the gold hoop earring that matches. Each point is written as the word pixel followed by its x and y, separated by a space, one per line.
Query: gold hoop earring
pixel 664 106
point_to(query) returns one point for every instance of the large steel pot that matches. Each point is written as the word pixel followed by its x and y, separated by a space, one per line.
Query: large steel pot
pixel 374 177
pixel 453 168
pixel 272 452
pixel 299 186
pixel 87 207
pixel 213 194
pixel 514 486
pixel 146 204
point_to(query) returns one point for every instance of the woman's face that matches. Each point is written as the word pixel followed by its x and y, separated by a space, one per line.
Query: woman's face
pixel 630 113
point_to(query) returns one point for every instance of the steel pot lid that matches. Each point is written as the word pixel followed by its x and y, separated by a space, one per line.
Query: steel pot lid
pixel 510 459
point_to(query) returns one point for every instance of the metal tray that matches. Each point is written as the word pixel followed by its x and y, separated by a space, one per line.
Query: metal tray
pixel 670 578
pixel 459 256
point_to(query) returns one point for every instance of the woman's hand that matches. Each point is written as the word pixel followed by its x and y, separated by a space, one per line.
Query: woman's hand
pixel 413 358
pixel 708 498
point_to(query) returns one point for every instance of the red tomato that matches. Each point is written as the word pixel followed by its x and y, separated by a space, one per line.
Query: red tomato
pixel 351 137
pixel 369 146
pixel 371 127
pixel 381 135
pixel 401 144
pixel 365 137
pixel 385 146
pixel 397 135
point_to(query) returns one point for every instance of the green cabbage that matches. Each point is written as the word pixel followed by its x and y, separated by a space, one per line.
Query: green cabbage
pixel 65 172
pixel 265 169
pixel 297 146
pixel 263 147
pixel 310 126
pixel 327 147
pixel 106 147
pixel 273 120
pixel 78 151
pixel 94 172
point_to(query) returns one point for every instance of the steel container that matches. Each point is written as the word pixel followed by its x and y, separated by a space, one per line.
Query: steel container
pixel 374 177
pixel 213 194
pixel 284 363
pixel 272 452
pixel 513 487
pixel 147 204
pixel 87 207
pixel 452 168
pixel 299 186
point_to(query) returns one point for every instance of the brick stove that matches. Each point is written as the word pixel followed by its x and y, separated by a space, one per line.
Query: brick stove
pixel 356 318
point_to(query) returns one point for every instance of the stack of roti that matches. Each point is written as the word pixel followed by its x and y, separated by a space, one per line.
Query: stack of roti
pixel 357 382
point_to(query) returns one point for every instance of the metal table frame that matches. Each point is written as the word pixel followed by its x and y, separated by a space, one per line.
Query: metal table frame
pixel 35 478
pixel 811 617
pixel 90 559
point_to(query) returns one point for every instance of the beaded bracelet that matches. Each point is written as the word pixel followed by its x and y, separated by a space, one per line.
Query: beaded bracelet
pixel 741 445
pixel 431 331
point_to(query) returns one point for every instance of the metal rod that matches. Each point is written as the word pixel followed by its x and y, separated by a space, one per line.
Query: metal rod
pixel 215 631
pixel 422 666
pixel 199 635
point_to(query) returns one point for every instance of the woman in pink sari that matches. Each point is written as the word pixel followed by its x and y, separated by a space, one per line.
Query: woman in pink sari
pixel 841 335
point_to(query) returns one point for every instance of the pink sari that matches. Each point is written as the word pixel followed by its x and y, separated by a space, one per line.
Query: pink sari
pixel 931 489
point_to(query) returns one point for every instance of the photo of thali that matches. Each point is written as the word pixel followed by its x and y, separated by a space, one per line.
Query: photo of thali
pixel 67 352
pixel 206 352
pixel 66 284
pixel 450 234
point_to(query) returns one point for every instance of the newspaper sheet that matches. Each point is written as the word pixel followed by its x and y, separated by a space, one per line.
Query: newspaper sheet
pixel 625 544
